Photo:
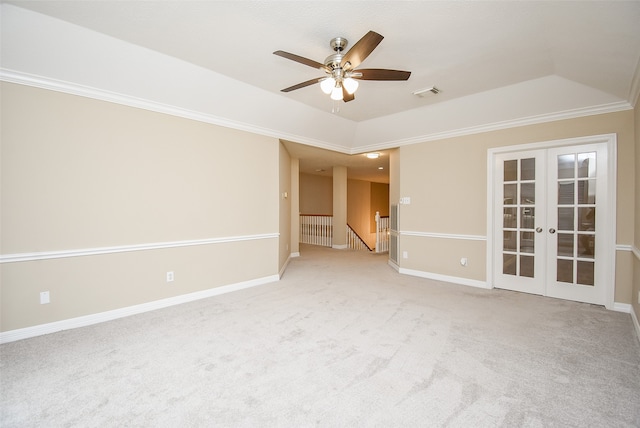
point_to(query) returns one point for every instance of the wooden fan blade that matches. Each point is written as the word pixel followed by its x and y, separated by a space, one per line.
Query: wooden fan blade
pixel 301 85
pixel 381 74
pixel 300 59
pixel 361 49
pixel 346 96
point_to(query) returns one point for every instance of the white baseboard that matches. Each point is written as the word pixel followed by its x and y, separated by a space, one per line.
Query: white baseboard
pixel 340 247
pixel 445 278
pixel 83 321
pixel 622 307
pixel 636 324
pixel 296 254
pixel 284 267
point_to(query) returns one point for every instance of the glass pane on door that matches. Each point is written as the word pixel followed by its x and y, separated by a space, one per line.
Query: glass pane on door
pixel 576 218
pixel 518 225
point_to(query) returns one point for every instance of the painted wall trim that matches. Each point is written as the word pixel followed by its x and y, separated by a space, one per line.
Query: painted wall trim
pixel 630 248
pixel 27 257
pixel 87 320
pixel 443 235
pixel 445 278
pixel 497 126
pixel 284 267
pixel 622 307
pixel 617 307
pixel 13 76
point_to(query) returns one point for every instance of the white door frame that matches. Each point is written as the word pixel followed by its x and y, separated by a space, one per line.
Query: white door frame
pixel 610 231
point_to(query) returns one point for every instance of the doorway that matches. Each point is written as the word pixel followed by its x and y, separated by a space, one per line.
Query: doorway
pixel 552 219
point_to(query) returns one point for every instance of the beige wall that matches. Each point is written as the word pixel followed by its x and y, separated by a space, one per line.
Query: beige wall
pixel 364 198
pixel 446 181
pixel 394 177
pixel 635 294
pixel 316 194
pixel 80 174
pixel 379 202
pixel 359 210
pixel 295 206
pixel 285 187
pixel 339 221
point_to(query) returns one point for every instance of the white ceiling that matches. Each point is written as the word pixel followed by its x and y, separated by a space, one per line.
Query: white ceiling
pixel 462 47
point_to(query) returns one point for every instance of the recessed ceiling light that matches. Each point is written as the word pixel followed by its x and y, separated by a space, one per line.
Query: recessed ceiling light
pixel 380 167
pixel 373 155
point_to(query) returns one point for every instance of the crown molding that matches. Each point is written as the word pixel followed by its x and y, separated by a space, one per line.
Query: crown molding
pixel 497 126
pixel 12 76
pixel 17 77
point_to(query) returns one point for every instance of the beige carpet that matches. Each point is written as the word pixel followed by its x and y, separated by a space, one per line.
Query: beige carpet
pixel 341 341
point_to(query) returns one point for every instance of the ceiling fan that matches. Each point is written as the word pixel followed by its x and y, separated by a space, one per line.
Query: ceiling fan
pixel 340 68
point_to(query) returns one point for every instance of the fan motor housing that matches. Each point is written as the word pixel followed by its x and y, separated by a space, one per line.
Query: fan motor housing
pixel 333 61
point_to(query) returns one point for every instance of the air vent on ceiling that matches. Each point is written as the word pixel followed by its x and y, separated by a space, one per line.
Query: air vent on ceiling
pixel 426 92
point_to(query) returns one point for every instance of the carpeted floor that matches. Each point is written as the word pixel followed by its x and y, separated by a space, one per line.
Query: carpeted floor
pixel 342 340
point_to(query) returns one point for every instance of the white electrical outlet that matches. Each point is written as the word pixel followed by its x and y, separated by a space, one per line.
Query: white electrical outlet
pixel 405 254
pixel 170 276
pixel 44 298
pixel 463 261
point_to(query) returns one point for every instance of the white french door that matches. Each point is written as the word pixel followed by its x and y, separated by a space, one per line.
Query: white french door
pixel 552 211
pixel 519 222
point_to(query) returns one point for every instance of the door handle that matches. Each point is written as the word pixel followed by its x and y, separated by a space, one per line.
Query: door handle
pixel 552 230
pixel 538 229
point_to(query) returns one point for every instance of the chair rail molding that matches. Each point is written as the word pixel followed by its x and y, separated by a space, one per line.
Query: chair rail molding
pixel 27 257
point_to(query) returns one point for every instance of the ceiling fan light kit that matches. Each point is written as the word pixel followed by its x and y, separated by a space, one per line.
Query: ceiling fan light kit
pixel 327 84
pixel 350 85
pixel 336 93
pixel 340 68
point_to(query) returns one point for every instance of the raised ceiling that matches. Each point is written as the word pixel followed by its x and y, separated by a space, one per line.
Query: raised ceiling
pixel 462 47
